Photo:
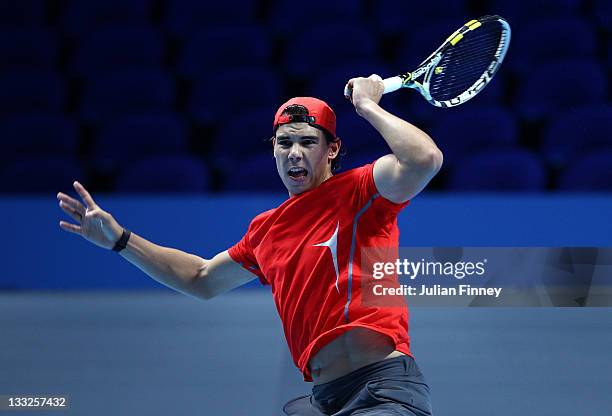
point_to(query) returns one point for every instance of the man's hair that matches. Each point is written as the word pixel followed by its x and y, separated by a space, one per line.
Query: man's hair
pixel 299 110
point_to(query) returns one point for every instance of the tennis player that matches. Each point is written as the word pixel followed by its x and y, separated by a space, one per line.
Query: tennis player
pixel 309 249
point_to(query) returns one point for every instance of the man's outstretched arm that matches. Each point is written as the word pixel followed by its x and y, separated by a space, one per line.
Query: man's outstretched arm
pixel 181 271
pixel 415 159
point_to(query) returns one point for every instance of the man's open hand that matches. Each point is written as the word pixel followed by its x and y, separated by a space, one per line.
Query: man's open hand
pixel 93 223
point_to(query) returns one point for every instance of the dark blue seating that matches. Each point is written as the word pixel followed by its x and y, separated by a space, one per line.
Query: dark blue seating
pixel 551 39
pixel 27 49
pixel 358 136
pixel 576 132
pixel 593 172
pixel 356 160
pixel 519 12
pixel 394 18
pixel 219 97
pixel 31 93
pixel 134 137
pixel 245 133
pixel 80 17
pixel 184 17
pixel 498 170
pixel 224 47
pixel 127 47
pixel 602 11
pixel 170 174
pixel 127 92
pixel 22 13
pixel 40 174
pixel 329 85
pixel 462 131
pixel 257 173
pixel 38 135
pixel 332 44
pixel 416 44
pixel 287 19
pixel 559 86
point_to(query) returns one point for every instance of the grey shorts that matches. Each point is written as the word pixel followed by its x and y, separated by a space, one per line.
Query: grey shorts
pixel 394 386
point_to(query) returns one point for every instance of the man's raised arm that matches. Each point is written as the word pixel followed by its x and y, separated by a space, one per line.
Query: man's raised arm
pixel 184 272
pixel 415 159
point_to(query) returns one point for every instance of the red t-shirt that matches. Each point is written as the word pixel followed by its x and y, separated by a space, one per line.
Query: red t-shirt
pixel 309 250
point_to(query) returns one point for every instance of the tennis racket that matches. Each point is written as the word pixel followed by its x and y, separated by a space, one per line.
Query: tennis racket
pixel 461 67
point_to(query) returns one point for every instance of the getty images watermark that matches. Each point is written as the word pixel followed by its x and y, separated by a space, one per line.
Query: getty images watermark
pixel 485 276
pixel 410 269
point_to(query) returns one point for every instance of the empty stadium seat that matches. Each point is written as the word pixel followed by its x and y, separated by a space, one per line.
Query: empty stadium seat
pixel 31 93
pixel 223 47
pixel 127 92
pixel 38 135
pixel 602 11
pixel 358 136
pixel 498 170
pixel 223 95
pixel 329 85
pixel 245 133
pixel 164 174
pixel 255 174
pixel 319 47
pixel 40 174
pixel 23 13
pixel 560 86
pixel 550 39
pixel 394 18
pixel 519 12
pixel 592 172
pixel 128 47
pixel 463 131
pixel 577 131
pixel 80 17
pixel 287 19
pixel 134 137
pixel 184 17
pixel 27 49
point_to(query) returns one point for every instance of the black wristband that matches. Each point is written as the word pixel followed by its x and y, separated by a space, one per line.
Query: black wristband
pixel 122 242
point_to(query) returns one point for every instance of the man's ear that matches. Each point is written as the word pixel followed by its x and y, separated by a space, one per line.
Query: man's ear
pixel 334 148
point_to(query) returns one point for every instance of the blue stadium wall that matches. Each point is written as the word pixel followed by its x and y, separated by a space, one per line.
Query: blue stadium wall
pixel 38 255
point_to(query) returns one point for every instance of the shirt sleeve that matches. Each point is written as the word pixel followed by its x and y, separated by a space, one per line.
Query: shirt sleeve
pixel 366 189
pixel 242 253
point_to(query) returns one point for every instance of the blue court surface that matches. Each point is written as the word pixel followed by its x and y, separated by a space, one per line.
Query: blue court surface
pixel 159 353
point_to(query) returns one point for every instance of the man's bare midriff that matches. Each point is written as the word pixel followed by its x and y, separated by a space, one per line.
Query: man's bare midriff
pixel 354 349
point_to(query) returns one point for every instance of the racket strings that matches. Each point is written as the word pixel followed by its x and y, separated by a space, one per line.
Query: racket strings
pixel 462 65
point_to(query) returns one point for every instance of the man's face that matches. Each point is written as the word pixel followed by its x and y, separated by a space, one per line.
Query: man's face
pixel 302 156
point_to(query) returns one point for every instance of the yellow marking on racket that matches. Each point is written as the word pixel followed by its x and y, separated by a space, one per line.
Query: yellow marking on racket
pixel 453 35
pixel 438 70
pixel 475 25
pixel 456 39
pixel 471 22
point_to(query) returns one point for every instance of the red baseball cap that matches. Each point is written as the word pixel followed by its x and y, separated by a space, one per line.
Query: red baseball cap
pixel 309 110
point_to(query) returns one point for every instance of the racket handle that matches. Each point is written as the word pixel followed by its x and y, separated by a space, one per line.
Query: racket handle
pixel 391 84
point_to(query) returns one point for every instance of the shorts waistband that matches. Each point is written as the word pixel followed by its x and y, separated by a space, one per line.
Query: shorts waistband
pixel 342 388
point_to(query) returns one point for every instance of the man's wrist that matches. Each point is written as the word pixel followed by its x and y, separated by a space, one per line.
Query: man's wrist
pixel 123 240
pixel 365 108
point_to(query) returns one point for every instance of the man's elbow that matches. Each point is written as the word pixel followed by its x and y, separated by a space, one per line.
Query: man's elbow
pixel 429 161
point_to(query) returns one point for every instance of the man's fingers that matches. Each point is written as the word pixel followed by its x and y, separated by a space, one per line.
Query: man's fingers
pixel 71 211
pixel 71 202
pixel 70 227
pixel 89 202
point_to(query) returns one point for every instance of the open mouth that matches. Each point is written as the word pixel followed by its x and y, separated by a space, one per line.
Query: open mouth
pixel 297 173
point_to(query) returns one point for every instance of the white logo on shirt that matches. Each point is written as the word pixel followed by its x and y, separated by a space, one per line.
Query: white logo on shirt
pixel 332 243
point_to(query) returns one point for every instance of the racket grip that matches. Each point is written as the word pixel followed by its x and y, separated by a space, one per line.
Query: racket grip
pixel 392 84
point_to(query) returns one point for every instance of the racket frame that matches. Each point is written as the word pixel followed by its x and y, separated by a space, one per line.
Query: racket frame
pixel 428 66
